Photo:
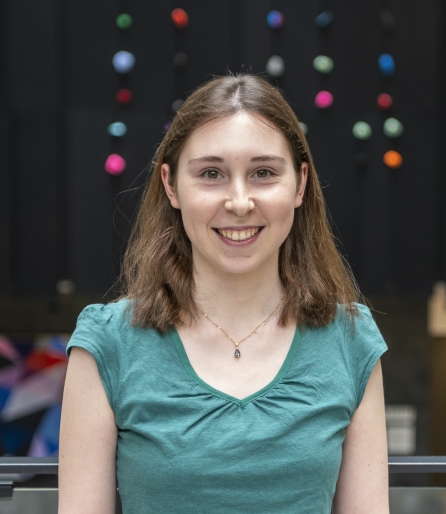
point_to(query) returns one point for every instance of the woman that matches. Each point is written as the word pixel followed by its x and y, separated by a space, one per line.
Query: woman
pixel 238 373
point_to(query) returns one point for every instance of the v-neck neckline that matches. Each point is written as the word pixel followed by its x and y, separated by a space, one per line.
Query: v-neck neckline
pixel 241 402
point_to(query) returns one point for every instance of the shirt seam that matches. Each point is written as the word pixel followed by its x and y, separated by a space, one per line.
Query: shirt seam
pixel 122 356
pixel 346 356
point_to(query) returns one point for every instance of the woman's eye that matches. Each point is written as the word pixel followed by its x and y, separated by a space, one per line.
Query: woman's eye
pixel 212 174
pixel 263 173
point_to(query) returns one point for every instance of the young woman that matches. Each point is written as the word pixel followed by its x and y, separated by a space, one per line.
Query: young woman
pixel 239 373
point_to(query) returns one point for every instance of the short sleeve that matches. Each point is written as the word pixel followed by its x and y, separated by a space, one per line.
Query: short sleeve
pixel 364 346
pixel 97 333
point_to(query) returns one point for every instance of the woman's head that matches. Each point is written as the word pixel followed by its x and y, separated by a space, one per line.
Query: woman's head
pixel 237 190
pixel 158 268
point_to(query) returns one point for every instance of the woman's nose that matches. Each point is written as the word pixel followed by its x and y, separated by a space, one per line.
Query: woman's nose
pixel 239 200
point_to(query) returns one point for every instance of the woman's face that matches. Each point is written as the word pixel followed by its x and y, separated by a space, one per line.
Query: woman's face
pixel 237 190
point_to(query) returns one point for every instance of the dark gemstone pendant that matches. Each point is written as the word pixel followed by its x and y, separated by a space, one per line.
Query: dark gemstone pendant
pixel 237 353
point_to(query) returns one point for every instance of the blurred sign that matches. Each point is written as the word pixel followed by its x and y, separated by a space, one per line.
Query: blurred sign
pixel 401 429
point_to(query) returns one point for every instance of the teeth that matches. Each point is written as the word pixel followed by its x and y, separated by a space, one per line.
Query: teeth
pixel 239 236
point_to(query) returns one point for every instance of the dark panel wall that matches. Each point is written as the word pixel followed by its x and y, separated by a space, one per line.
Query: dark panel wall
pixel 62 216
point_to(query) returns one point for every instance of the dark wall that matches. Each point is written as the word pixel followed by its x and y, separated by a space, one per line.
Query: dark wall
pixel 62 216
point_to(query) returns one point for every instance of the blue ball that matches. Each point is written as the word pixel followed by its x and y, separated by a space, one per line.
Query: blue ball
pixel 324 19
pixel 275 19
pixel 123 62
pixel 117 129
pixel 386 64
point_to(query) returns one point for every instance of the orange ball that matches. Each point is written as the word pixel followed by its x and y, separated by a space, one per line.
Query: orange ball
pixel 180 18
pixel 393 159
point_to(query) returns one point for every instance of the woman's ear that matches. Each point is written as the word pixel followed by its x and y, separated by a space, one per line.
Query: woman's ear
pixel 301 187
pixel 170 190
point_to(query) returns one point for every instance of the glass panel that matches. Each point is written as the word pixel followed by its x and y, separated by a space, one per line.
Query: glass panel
pixel 35 501
pixel 403 500
pixel 417 500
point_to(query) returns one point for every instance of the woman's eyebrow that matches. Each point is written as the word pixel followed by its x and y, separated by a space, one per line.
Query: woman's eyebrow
pixel 206 158
pixel 215 158
pixel 268 158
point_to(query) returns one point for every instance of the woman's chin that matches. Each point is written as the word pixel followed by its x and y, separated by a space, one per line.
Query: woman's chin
pixel 242 267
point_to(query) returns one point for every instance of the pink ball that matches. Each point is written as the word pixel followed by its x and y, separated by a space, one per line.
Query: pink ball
pixel 114 164
pixel 323 100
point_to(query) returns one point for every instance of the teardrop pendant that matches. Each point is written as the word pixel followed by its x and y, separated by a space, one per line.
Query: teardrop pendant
pixel 237 353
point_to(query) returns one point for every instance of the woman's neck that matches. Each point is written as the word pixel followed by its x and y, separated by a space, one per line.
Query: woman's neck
pixel 233 298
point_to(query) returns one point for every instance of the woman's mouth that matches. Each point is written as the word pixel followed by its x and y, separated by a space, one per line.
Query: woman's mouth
pixel 239 235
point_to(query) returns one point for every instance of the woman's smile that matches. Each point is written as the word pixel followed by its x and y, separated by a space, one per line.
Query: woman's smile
pixel 238 236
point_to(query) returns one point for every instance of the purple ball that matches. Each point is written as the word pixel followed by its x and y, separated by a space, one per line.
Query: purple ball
pixel 275 19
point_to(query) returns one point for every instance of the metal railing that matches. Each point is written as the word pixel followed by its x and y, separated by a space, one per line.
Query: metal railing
pixel 50 465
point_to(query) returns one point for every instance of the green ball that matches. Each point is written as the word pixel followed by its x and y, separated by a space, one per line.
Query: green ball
pixel 323 64
pixel 124 21
pixel 362 130
pixel 393 128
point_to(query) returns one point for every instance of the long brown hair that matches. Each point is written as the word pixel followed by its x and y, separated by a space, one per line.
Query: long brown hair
pixel 157 268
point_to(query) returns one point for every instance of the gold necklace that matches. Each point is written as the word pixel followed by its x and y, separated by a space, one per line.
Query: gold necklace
pixel 237 353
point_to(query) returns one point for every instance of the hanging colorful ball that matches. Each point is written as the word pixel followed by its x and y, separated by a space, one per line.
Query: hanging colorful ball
pixel 180 18
pixel 124 21
pixel 384 101
pixel 275 66
pixel 167 125
pixel 275 19
pixel 393 159
pixel 324 20
pixel 115 164
pixel 362 130
pixel 180 59
pixel 117 129
pixel 386 65
pixel 304 127
pixel 124 96
pixel 65 286
pixel 387 20
pixel 123 62
pixel 323 100
pixel 393 128
pixel 323 64
pixel 176 104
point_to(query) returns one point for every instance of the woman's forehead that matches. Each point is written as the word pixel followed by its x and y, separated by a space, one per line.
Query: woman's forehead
pixel 240 133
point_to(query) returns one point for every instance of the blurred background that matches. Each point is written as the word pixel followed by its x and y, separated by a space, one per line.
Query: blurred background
pixel 87 90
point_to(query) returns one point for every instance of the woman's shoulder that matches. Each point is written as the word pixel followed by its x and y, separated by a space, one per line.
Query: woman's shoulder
pixel 113 314
pixel 355 318
pixel 99 331
pixel 102 326
pixel 353 333
pixel 363 344
pixel 353 310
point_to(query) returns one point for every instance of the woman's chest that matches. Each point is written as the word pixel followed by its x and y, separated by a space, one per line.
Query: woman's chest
pixel 270 455
pixel 181 440
pixel 259 358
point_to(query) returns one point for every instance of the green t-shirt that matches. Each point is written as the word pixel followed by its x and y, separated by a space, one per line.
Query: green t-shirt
pixel 185 447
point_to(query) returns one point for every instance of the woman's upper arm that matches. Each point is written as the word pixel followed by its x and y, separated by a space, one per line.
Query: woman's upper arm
pixel 363 485
pixel 88 438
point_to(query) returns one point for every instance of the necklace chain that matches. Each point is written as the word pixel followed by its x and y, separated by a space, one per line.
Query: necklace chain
pixel 237 353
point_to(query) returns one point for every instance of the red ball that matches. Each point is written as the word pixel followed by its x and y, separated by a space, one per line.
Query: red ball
pixel 180 18
pixel 384 101
pixel 124 96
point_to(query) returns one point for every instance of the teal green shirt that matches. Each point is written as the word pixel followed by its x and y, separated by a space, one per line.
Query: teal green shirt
pixel 185 447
